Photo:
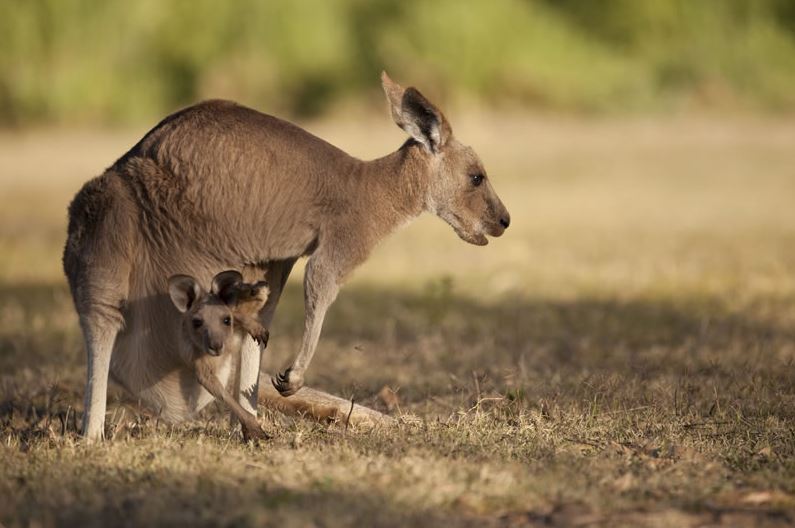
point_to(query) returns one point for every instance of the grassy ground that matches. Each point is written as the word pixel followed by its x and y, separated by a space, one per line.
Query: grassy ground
pixel 623 356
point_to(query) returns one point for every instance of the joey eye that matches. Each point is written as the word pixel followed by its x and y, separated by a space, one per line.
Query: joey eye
pixel 477 179
pixel 228 321
pixel 197 323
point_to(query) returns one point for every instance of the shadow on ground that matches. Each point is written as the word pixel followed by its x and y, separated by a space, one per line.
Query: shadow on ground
pixel 437 343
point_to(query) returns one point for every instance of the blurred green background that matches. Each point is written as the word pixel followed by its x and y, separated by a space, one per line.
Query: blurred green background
pixel 84 61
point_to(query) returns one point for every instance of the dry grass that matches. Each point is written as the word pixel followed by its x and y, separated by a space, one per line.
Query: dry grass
pixel 623 356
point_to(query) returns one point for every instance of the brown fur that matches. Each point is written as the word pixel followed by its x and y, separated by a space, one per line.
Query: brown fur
pixel 220 186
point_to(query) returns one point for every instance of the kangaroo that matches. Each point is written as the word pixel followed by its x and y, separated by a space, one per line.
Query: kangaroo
pixel 266 193
pixel 211 327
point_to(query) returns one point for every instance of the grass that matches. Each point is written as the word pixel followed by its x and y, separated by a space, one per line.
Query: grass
pixel 622 356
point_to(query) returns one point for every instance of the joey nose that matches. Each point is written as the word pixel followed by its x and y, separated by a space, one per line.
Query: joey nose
pixel 215 349
pixel 505 221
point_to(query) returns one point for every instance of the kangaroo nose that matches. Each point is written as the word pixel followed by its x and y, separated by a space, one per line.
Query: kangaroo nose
pixel 215 349
pixel 505 222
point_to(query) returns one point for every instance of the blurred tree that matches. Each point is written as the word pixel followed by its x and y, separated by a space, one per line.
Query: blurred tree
pixel 80 60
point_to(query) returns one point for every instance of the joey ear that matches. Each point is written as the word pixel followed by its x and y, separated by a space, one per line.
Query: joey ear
pixel 225 285
pixel 183 290
pixel 412 112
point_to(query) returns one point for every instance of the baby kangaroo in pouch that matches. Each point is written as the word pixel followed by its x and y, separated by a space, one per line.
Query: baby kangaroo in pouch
pixel 215 323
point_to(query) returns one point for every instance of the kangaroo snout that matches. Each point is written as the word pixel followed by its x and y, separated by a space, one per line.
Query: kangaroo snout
pixel 500 221
pixel 214 348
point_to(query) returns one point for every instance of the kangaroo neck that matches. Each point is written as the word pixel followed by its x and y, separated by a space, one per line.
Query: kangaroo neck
pixel 397 185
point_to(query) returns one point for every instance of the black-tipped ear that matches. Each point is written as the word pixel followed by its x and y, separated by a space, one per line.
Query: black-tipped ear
pixel 225 286
pixel 184 290
pixel 412 112
pixel 423 121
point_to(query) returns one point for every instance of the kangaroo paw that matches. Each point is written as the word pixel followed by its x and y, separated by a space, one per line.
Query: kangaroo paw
pixel 254 433
pixel 288 382
pixel 261 338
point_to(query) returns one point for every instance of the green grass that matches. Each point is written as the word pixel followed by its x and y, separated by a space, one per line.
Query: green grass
pixel 75 61
pixel 622 356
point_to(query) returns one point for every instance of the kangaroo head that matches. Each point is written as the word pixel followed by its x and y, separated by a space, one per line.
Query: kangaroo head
pixel 458 190
pixel 208 319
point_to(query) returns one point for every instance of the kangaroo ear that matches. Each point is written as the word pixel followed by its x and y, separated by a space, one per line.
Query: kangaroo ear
pixel 225 285
pixel 184 290
pixel 412 112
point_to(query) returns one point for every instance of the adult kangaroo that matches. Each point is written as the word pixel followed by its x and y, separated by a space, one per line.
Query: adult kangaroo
pixel 219 186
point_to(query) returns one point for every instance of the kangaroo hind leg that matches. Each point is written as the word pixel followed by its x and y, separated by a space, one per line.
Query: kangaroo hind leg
pixel 97 265
pixel 99 298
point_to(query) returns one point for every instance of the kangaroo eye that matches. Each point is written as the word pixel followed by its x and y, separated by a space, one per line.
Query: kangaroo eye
pixel 228 321
pixel 477 179
pixel 197 323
